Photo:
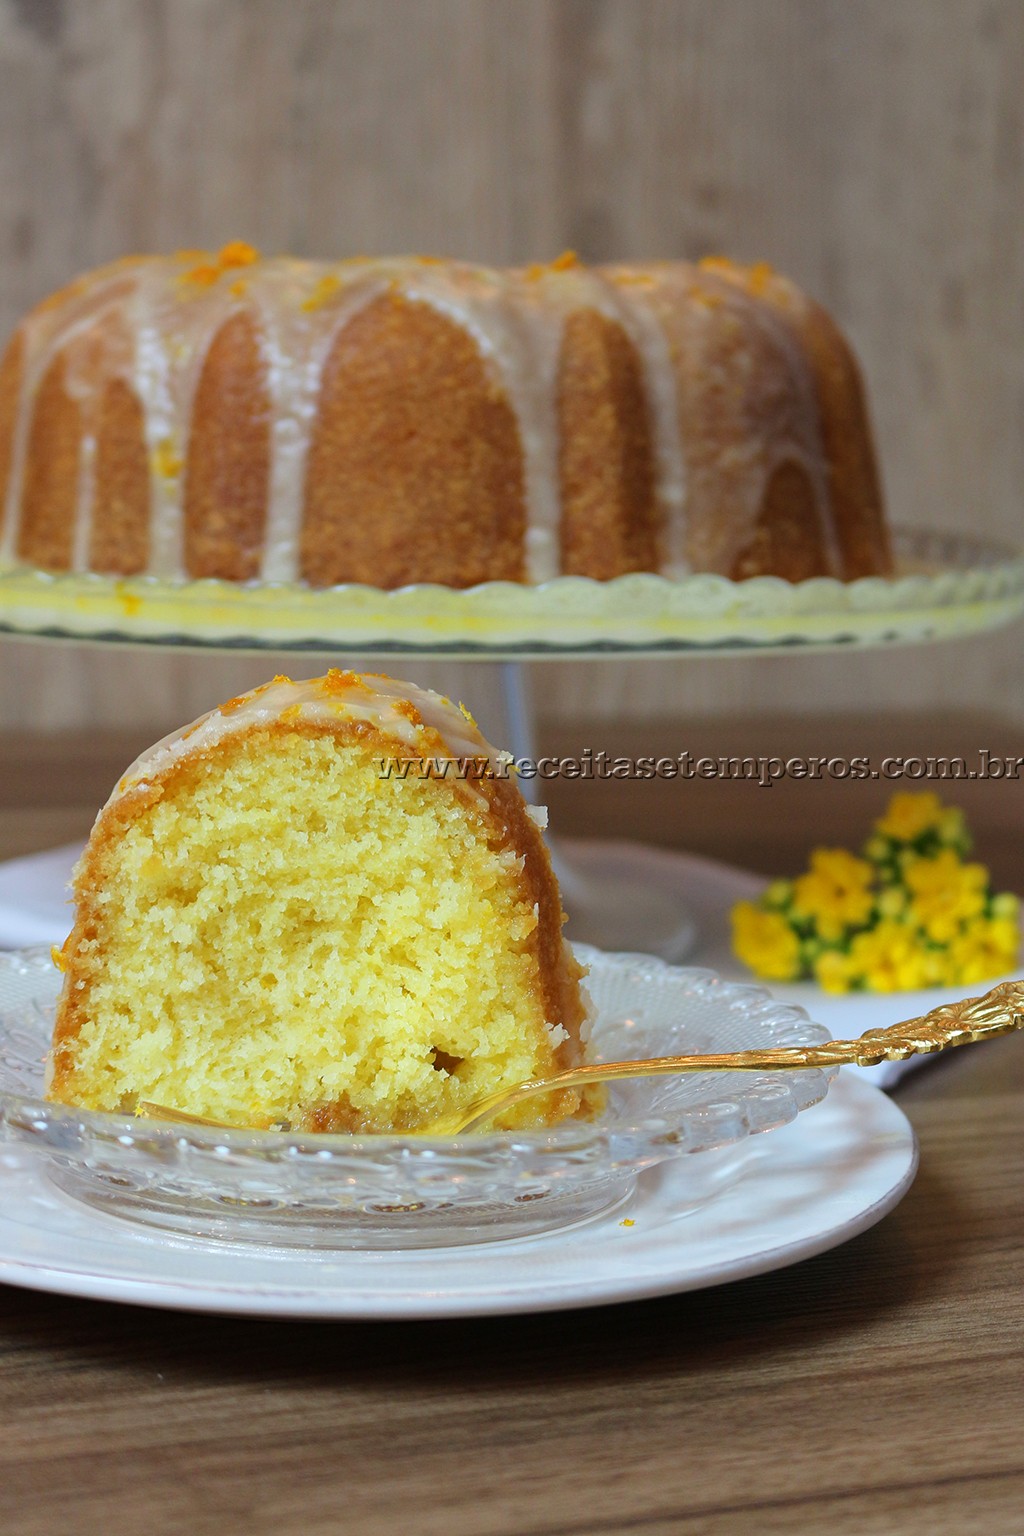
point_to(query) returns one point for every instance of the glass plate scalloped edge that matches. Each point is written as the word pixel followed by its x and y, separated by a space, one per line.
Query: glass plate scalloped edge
pixel 393 1191
pixel 947 585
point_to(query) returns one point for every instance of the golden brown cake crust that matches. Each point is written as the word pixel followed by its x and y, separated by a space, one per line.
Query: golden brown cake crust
pixel 50 494
pixel 786 539
pixel 227 481
pixel 606 460
pixel 407 420
pixel 842 409
pixel 414 470
pixel 119 537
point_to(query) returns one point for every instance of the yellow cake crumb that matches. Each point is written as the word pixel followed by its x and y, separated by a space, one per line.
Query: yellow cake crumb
pixel 275 938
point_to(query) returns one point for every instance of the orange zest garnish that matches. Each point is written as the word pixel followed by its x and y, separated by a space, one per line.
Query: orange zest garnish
pixel 129 602
pixel 563 263
pixel 237 253
pixel 204 276
pixel 166 461
pixel 337 681
pixel 759 276
pixel 325 288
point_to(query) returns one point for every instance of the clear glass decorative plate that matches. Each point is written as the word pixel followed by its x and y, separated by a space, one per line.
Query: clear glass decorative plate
pixel 406 1191
pixel 946 585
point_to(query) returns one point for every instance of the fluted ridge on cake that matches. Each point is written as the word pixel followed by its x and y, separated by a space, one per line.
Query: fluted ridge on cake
pixel 406 420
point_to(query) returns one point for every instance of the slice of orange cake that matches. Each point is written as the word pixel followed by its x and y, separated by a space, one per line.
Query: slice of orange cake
pixel 324 903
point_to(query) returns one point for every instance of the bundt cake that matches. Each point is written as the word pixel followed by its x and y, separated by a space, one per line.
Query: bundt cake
pixel 414 420
pixel 327 904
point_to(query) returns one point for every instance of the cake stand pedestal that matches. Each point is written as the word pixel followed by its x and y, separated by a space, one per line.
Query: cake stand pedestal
pixel 617 895
pixel 946 587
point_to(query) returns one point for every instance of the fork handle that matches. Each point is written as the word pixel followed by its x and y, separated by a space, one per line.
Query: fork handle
pixel 998 1012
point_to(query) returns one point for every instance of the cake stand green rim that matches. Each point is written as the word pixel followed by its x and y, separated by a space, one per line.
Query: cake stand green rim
pixel 947 586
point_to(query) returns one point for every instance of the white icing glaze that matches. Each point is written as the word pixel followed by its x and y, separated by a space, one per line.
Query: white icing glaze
pixel 296 349
pixel 793 429
pixel 641 325
pixel 517 321
pixel 341 697
pixel 58 327
pixel 166 409
pixel 86 501
pixel 764 382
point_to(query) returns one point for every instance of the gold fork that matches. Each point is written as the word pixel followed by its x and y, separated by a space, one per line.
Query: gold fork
pixel 997 1012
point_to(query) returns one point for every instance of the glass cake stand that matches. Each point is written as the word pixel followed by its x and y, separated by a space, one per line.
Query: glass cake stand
pixel 947 586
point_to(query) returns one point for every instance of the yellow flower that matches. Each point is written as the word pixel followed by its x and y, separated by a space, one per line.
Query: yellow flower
pixel 908 815
pixel 952 827
pixel 832 971
pixel 835 892
pixel 945 894
pixel 765 942
pixel 891 958
pixel 892 901
pixel 986 948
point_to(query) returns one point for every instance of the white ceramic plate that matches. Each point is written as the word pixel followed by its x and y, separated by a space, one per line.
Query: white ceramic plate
pixel 395 1191
pixel 828 1176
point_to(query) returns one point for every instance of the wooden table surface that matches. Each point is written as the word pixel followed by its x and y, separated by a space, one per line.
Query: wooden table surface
pixel 878 1388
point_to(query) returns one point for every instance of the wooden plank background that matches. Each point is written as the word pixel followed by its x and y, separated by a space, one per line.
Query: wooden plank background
pixel 873 151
